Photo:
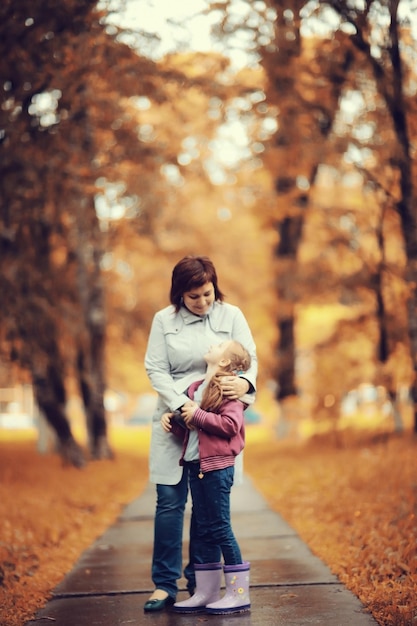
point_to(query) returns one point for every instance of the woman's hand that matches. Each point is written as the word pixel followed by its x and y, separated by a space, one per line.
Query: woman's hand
pixel 166 422
pixel 234 387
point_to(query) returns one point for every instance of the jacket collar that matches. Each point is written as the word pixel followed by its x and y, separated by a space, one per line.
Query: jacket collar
pixel 190 318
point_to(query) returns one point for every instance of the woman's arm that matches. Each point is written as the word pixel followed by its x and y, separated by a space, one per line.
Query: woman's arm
pixel 234 387
pixel 242 333
pixel 170 425
pixel 159 370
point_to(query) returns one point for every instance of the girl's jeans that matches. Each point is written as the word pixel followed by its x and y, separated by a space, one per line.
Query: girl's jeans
pixel 213 534
pixel 168 530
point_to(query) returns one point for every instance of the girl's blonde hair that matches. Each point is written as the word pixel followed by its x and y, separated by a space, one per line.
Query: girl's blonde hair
pixel 239 362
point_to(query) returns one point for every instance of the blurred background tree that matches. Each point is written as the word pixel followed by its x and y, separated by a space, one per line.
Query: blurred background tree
pixel 343 148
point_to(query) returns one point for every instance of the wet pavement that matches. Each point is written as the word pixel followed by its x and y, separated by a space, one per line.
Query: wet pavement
pixel 289 585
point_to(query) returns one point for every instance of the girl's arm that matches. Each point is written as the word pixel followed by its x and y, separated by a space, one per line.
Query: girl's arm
pixel 225 424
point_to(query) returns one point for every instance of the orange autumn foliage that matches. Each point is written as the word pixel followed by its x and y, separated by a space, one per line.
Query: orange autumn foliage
pixel 355 506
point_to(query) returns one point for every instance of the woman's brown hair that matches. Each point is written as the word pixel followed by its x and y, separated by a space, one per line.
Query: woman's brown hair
pixel 239 362
pixel 190 273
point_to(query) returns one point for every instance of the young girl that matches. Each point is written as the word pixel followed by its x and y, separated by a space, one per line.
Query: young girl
pixel 212 428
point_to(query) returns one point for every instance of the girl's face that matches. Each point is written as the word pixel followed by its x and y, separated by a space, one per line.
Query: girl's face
pixel 200 299
pixel 216 353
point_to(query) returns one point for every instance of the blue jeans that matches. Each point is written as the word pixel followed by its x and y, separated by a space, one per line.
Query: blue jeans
pixel 168 530
pixel 211 506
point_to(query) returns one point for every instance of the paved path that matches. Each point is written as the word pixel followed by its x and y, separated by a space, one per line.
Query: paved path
pixel 289 585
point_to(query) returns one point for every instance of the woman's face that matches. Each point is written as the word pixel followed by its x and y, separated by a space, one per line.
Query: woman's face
pixel 200 299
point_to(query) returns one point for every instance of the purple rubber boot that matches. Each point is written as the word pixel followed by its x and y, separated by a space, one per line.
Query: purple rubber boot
pixel 236 599
pixel 208 577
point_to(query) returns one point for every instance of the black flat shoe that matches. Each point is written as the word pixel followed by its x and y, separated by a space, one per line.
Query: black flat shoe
pixel 158 605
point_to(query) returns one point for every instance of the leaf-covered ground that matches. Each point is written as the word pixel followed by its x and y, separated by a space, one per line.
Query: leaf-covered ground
pixel 355 506
pixel 49 514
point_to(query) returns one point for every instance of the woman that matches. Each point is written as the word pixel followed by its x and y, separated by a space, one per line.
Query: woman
pixel 180 336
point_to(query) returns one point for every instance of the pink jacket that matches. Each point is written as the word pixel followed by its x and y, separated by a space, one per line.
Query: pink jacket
pixel 221 436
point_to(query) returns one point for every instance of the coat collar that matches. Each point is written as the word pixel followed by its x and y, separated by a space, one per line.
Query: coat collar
pixel 190 318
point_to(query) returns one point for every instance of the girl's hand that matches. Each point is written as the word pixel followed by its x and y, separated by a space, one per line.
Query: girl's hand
pixel 166 422
pixel 187 412
pixel 234 387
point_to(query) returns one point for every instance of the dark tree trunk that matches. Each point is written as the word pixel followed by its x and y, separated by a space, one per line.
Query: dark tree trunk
pixel 47 397
pixel 92 395
pixel 286 358
pixel 304 124
pixel 389 81
pixel 91 340
pixel 87 242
